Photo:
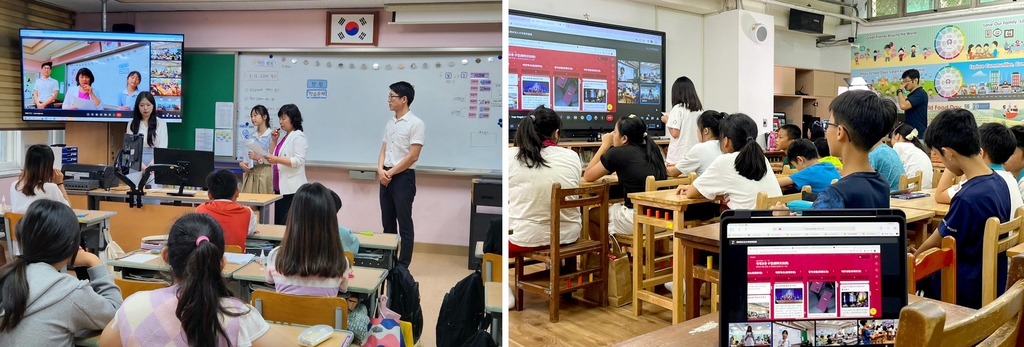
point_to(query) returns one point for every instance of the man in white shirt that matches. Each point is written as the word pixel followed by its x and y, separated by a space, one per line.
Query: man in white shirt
pixel 45 90
pixel 403 140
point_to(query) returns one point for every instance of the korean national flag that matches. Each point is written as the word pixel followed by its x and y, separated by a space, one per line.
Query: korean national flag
pixel 352 28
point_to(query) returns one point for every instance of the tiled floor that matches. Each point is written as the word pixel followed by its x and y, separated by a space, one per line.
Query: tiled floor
pixel 436 274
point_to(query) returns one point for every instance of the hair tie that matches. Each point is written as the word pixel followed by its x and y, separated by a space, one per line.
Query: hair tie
pixel 201 239
pixel 645 134
pixel 912 134
pixel 26 259
pixel 532 117
pixel 632 116
pixel 749 138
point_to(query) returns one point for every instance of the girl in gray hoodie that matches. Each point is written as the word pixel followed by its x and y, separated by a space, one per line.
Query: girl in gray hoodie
pixel 39 304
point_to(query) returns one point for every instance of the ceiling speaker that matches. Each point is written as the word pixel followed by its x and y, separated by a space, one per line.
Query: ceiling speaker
pixel 759 32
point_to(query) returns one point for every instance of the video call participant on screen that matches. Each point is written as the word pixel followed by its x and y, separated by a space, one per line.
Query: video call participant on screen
pixel 82 97
pixel 46 88
pixel 131 91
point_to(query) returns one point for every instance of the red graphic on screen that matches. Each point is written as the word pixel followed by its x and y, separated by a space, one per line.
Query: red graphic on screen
pixel 561 80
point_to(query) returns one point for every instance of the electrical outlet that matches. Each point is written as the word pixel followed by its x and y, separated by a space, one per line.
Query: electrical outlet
pixel 764 123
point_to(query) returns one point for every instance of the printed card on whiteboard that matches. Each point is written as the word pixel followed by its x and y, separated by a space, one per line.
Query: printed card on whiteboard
pixel 351 28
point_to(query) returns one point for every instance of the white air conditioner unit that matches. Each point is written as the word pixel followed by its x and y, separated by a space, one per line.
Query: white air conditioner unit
pixel 446 13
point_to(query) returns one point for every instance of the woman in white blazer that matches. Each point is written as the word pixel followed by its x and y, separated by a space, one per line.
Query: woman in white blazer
pixel 289 159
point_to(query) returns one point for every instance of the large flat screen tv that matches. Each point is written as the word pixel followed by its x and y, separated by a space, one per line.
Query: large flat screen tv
pixel 84 76
pixel 590 73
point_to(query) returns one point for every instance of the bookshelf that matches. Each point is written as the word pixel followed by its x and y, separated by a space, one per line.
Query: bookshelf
pixel 821 87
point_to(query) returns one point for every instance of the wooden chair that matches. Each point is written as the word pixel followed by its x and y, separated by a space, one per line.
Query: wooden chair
pixel 765 203
pixel 129 287
pixel 11 220
pixel 652 185
pixel 935 259
pixel 998 323
pixel 302 310
pixel 905 182
pixel 232 249
pixel 552 283
pixel 493 268
pixel 351 258
pixel 936 176
pixel 998 238
pixel 786 171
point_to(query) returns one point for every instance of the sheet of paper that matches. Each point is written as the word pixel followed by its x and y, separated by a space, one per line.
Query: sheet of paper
pixel 222 142
pixel 239 258
pixel 255 147
pixel 140 258
pixel 204 139
pixel 225 112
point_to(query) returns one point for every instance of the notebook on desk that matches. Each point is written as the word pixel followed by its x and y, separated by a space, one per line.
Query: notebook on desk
pixel 814 278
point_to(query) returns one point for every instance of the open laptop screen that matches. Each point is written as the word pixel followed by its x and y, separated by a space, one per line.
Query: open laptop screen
pixel 820 280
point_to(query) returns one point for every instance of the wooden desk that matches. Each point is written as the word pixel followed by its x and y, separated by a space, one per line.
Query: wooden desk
pixel 271 232
pixel 158 264
pixel 493 304
pixel 679 335
pixel 921 219
pixel 366 281
pixel 1015 250
pixel 645 277
pixel 268 232
pixel 686 245
pixel 87 222
pixel 925 203
pixel 339 338
pixel 610 179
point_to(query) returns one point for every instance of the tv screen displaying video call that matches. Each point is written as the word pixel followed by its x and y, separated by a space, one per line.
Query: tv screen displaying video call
pixel 76 76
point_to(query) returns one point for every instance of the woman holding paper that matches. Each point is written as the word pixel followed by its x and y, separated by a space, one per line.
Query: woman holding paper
pixel 288 158
pixel 258 177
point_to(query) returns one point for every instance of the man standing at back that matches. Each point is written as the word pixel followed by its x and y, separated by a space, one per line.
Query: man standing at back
pixel 403 140
pixel 913 100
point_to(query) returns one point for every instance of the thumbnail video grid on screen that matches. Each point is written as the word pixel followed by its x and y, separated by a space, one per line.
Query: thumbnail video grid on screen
pixel 591 75
pixel 95 76
pixel 822 294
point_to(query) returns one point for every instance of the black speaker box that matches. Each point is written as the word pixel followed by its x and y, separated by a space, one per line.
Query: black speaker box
pixel 801 21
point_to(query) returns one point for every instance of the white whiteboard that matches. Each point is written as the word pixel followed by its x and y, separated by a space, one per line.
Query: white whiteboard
pixel 458 97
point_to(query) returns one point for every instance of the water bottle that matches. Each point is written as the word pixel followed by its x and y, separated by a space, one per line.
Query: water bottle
pixel 263 260
pixel 3 204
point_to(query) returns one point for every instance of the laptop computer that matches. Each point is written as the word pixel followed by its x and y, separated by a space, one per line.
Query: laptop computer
pixel 823 278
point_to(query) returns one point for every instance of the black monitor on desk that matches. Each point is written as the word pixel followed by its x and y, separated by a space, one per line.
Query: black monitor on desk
pixel 130 156
pixel 197 165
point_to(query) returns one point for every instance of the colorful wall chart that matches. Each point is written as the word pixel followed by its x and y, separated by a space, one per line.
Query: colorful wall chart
pixel 975 65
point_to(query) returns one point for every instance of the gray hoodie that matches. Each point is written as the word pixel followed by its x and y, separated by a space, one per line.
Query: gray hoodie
pixel 60 305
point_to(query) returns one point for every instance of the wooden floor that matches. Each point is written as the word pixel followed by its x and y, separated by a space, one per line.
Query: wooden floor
pixel 580 323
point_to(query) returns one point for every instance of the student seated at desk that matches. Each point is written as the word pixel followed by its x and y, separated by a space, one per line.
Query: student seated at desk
pixel 348 238
pixel 38 180
pixel 198 309
pixel 825 156
pixel 633 155
pixel 997 145
pixel 787 134
pixel 741 172
pixel 953 136
pixel 237 221
pixel 701 155
pixel 535 164
pixel 858 121
pixel 1015 164
pixel 804 156
pixel 907 144
pixel 41 305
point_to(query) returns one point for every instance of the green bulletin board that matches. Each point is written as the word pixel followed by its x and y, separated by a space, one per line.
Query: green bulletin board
pixel 208 78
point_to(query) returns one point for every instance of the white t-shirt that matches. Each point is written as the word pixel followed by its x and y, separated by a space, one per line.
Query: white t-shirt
pixel 46 87
pixel 20 201
pixel 914 160
pixel 399 136
pixel 1016 199
pixel 529 192
pixel 699 157
pixel 686 121
pixel 71 100
pixel 161 133
pixel 721 178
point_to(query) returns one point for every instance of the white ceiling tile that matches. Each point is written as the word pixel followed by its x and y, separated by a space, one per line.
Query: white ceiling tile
pixel 92 6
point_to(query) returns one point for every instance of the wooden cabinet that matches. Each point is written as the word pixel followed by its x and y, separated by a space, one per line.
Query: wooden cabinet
pixel 785 80
pixel 819 88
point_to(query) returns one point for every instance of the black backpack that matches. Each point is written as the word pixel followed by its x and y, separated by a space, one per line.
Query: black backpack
pixel 405 298
pixel 492 241
pixel 481 338
pixel 461 311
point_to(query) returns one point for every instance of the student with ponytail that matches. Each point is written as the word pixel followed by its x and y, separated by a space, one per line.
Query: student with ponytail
pixel 39 304
pixel 700 156
pixel 741 172
pixel 535 163
pixel 198 309
pixel 907 144
pixel 633 155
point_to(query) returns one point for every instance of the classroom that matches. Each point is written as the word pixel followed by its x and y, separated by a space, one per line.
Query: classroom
pixel 859 161
pixel 179 132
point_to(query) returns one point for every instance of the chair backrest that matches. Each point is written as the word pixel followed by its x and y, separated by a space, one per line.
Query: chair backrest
pixel 935 259
pixel 232 249
pixel 576 198
pixel 653 184
pixel 786 170
pixel 351 258
pixel 998 238
pixel 923 323
pixel 494 267
pixel 905 182
pixel 129 287
pixel 303 310
pixel 936 176
pixel 11 219
pixel 764 202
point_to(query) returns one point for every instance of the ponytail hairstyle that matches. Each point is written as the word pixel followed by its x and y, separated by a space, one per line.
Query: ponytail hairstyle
pixel 195 247
pixel 742 132
pixel 48 233
pixel 711 120
pixel 534 129
pixel 909 133
pixel 635 131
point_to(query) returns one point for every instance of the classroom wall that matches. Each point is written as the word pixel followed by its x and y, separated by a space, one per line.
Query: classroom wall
pixel 743 76
pixel 798 50
pixel 442 207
